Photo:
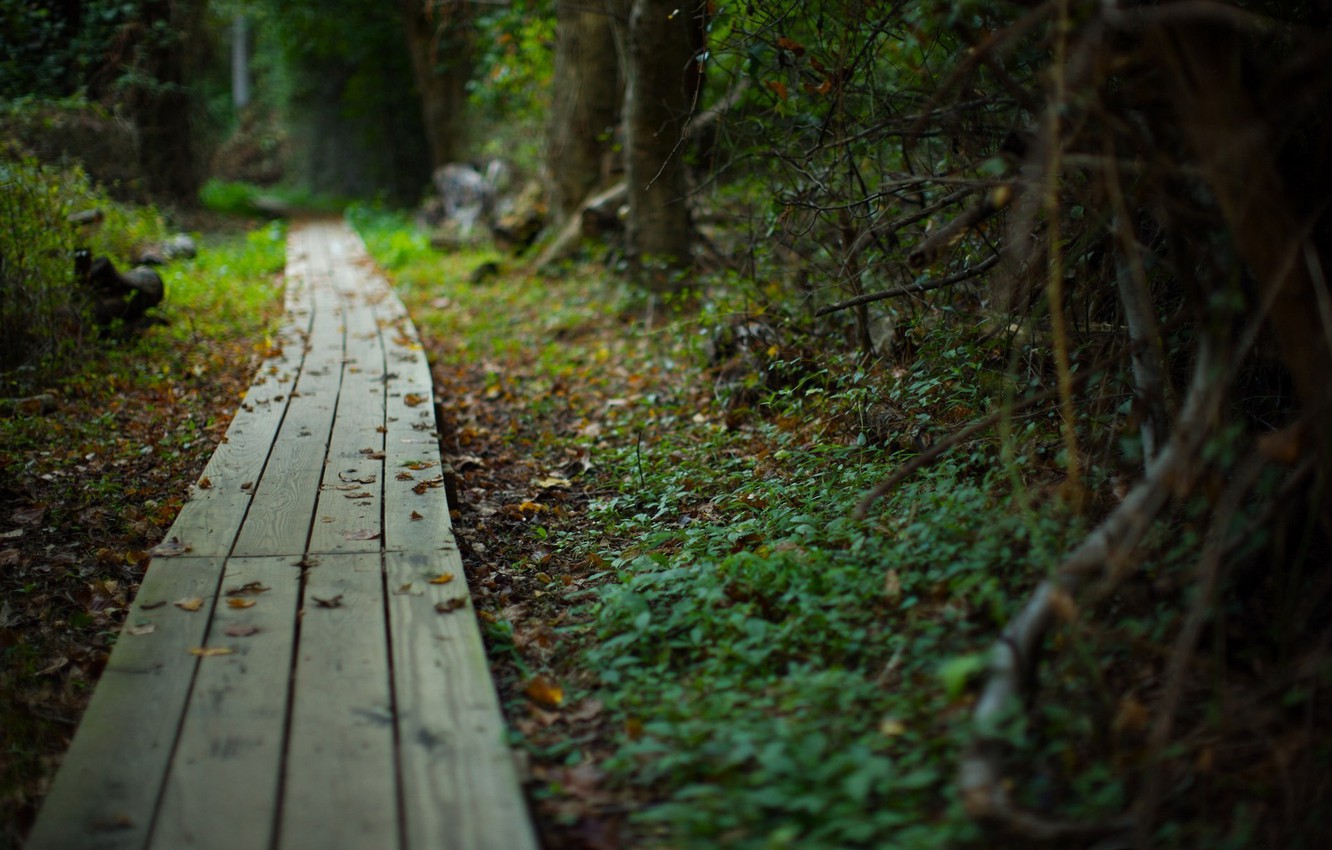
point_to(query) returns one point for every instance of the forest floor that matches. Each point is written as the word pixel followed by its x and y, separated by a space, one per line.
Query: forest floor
pixel 695 644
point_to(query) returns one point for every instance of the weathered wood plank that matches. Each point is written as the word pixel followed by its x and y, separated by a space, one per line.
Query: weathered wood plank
pixel 105 794
pixel 279 517
pixel 349 520
pixel 341 773
pixel 222 787
pixel 209 522
pixel 416 514
pixel 460 786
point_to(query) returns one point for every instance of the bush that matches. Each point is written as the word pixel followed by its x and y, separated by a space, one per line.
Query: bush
pixel 40 311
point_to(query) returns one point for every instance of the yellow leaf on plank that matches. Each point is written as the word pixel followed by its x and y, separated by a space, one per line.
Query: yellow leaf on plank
pixel 190 603
pixel 210 651
pixel 442 578
pixel 240 603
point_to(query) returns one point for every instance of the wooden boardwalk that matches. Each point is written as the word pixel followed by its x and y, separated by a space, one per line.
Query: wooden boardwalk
pixel 302 667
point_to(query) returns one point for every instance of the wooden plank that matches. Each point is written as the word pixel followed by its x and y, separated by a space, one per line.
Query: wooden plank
pixel 460 786
pixel 416 514
pixel 105 794
pixel 209 522
pixel 349 520
pixel 222 787
pixel 340 787
pixel 279 517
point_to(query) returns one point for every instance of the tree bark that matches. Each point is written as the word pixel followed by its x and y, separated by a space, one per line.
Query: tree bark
pixel 162 112
pixel 587 92
pixel 439 39
pixel 664 80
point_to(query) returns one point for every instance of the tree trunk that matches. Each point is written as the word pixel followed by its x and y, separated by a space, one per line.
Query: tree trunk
pixel 587 92
pixel 162 112
pixel 439 38
pixel 664 79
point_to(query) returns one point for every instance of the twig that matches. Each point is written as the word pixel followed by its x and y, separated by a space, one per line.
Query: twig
pixel 914 289
pixel 985 793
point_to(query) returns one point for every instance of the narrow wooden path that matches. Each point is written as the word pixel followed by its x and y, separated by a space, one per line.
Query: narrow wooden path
pixel 302 667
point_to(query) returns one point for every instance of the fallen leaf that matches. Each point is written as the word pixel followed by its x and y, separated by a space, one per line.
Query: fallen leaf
pixel 190 603
pixel 362 495
pixel 373 454
pixel 252 588
pixel 29 516
pixel 442 578
pixel 361 534
pixel 369 479
pixel 335 602
pixel 240 603
pixel 210 651
pixel 420 464
pixel 405 476
pixel 892 585
pixel 450 605
pixel 148 606
pixel 248 485
pixel 416 516
pixel 18 532
pixel 552 481
pixel 544 691
pixel 205 483
pixel 141 629
pixel 169 548
pixel 414 399
pixel 240 630
pixel 891 727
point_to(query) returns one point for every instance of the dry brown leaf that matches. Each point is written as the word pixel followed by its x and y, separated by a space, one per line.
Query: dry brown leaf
pixel 416 515
pixel 450 605
pixel 250 588
pixel 148 606
pixel 205 483
pixel 141 629
pixel 414 399
pixel 335 602
pixel 405 476
pixel 169 548
pixel 373 454
pixel 240 603
pixel 190 603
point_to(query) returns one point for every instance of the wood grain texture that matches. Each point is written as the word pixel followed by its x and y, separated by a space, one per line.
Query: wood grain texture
pixel 222 787
pixel 349 520
pixel 105 794
pixel 341 786
pixel 460 785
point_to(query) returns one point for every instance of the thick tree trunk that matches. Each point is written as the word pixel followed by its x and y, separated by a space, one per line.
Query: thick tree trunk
pixel 587 92
pixel 439 38
pixel 162 112
pixel 664 80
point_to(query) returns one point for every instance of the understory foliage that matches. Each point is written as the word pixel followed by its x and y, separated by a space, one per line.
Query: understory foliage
pixel 993 505
pixel 45 328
